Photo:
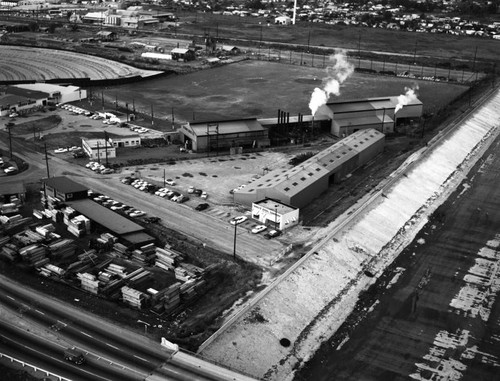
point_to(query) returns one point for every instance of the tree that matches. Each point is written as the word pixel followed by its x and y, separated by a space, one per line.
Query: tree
pixel 33 26
pixel 254 4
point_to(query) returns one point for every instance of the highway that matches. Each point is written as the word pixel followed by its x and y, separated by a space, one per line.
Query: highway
pixel 111 352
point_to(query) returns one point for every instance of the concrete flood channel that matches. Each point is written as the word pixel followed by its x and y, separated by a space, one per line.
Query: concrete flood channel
pixel 434 313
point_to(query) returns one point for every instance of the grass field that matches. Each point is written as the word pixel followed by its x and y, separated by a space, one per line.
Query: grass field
pixel 336 36
pixel 259 89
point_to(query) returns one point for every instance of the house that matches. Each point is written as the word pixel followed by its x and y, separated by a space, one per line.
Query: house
pixel 97 149
pixel 106 35
pixel 283 20
pixel 229 49
pixel 182 54
pixel 275 214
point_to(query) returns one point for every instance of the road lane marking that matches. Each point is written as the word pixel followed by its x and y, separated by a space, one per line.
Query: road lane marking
pixel 10 297
pixel 139 357
pixel 40 312
pixel 84 333
pixel 112 346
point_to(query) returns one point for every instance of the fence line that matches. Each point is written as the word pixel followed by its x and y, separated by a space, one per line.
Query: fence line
pixel 34 367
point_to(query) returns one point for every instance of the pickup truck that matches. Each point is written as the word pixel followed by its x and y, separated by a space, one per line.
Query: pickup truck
pixel 74 355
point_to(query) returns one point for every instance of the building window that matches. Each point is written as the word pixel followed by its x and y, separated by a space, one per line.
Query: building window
pixel 286 189
pixel 295 184
pixel 303 178
pixel 69 196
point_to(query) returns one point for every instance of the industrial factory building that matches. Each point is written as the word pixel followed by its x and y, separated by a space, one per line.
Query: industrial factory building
pixel 299 185
pixel 377 113
pixel 223 135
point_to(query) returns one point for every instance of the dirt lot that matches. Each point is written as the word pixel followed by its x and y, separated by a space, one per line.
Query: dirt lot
pixel 439 320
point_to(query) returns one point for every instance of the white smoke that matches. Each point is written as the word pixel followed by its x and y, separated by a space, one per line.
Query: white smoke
pixel 338 72
pixel 406 98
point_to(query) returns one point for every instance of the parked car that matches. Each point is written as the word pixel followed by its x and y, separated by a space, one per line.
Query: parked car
pixel 170 182
pixel 13 115
pixel 137 213
pixel 238 220
pixel 60 150
pixel 272 234
pixel 204 195
pixel 201 207
pixel 107 171
pixel 182 199
pixel 10 170
pixel 197 192
pixel 258 229
pixel 191 189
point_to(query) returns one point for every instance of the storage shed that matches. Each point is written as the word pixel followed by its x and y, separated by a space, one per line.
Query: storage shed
pixel 182 54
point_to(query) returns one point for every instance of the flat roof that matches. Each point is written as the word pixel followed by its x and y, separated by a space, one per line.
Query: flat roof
pixel 105 217
pixel 227 127
pixel 367 104
pixel 275 205
pixel 64 184
pixel 138 238
pixel 11 99
pixel 363 120
pixel 12 188
pixel 27 93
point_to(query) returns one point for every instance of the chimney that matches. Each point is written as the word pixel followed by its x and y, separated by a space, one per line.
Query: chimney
pixel 279 116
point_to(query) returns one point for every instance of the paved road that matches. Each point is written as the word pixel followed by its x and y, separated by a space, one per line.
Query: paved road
pixel 206 229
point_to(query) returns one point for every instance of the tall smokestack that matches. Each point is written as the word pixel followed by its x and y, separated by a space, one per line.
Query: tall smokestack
pixel 288 117
pixel 279 115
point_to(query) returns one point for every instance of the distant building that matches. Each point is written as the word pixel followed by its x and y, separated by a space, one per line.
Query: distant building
pixel 283 20
pixel 223 135
pixel 106 35
pixel 126 141
pixel 99 149
pixel 229 49
pixel 275 214
pixel 182 54
pixel 9 192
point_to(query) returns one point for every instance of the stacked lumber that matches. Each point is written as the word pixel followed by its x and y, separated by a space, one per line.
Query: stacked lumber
pixel 105 277
pixel 5 220
pixel 9 208
pixel 4 240
pixel 62 247
pixel 113 268
pixel 33 254
pixel 167 259
pixel 45 230
pixel 122 250
pixel 9 251
pixel 145 254
pixel 78 225
pixel 88 282
pixel 55 270
pixel 140 276
pixel 27 237
pixel 188 290
pixel 38 214
pixel 171 297
pixel 133 297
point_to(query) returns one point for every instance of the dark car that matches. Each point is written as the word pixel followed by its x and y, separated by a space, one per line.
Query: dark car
pixel 201 207
pixel 197 192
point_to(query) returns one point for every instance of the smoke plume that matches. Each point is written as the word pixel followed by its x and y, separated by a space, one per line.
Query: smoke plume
pixel 406 98
pixel 339 70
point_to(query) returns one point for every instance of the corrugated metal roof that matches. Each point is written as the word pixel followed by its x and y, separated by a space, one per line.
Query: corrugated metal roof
pixel 363 120
pixel 293 180
pixel 226 127
pixel 367 104
pixel 179 50
pixel 105 217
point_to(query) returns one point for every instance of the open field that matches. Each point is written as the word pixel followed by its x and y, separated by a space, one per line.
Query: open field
pixel 35 64
pixel 258 89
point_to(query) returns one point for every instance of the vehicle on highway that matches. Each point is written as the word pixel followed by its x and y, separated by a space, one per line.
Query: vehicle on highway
pixel 10 170
pixel 258 229
pixel 74 355
pixel 137 213
pixel 201 207
pixel 170 182
pixel 238 220
pixel 60 150
pixel 272 234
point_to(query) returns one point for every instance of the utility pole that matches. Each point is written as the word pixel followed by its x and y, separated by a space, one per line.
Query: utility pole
pixel 474 62
pixel 106 147
pixel 9 127
pixel 102 99
pixel 234 247
pixel 173 119
pixel 98 153
pixel 152 116
pixel 46 164
pixel 359 50
pixel 309 41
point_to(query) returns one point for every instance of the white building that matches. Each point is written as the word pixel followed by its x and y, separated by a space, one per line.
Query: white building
pixel 275 214
pixel 99 148
pixel 283 20
pixel 57 93
pixel 126 141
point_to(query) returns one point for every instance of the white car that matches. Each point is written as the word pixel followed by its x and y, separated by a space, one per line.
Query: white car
pixel 170 182
pixel 13 115
pixel 137 213
pixel 60 150
pixel 258 229
pixel 238 220
pixel 74 148
pixel 204 195
pixel 191 189
pixel 10 170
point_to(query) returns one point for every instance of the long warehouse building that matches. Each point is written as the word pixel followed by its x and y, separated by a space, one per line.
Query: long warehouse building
pixel 299 185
